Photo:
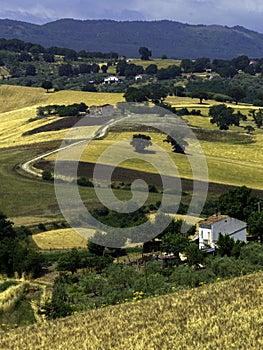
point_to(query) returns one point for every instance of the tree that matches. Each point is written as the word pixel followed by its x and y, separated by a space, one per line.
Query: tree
pixel 225 244
pixel 249 129
pixel 177 142
pixel 70 261
pixel 145 53
pixel 104 68
pixel 237 93
pixel 238 202
pixel 133 94
pixel 257 117
pixel 175 244
pixel 187 65
pixel 224 116
pixel 95 249
pixel 255 224
pixel 140 142
pixel 65 70
pixel 202 95
pixel 47 175
pixel 151 69
pixel 195 256
pixel 47 85
pixel 30 70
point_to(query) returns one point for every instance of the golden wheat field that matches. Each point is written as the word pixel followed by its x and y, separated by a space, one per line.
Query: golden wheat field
pixel 18 105
pixel 66 238
pixel 228 163
pixel 221 316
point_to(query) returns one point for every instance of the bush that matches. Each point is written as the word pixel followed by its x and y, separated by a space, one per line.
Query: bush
pixel 47 175
pixel 83 181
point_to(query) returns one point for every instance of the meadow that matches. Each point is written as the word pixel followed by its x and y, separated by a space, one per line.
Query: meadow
pixel 223 315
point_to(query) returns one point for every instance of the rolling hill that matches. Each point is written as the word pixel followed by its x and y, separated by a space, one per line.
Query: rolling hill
pixel 223 315
pixel 176 40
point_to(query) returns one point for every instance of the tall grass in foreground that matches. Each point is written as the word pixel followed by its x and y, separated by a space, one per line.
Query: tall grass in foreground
pixel 225 315
pixel 11 296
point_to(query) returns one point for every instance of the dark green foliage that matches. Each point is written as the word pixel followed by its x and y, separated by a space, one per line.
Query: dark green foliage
pixel 73 110
pixel 95 249
pixel 65 70
pixel 174 243
pixel 229 267
pixel 47 175
pixel 227 246
pixel 238 202
pixel 187 277
pixel 70 261
pixel 151 69
pixel 47 85
pixel 236 92
pixel 30 70
pixel 224 116
pixel 140 142
pixel 145 53
pixel 252 253
pixel 59 305
pixel 170 72
pixel 194 255
pixel 15 253
pixel 177 142
pixel 255 224
pixel 257 117
pixel 85 182
pixel 202 95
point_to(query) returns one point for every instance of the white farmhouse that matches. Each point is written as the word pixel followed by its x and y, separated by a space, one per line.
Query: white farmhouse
pixel 112 79
pixel 209 229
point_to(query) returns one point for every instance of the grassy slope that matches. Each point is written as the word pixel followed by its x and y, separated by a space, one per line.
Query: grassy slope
pixel 35 200
pixel 223 315
pixel 18 105
pixel 228 163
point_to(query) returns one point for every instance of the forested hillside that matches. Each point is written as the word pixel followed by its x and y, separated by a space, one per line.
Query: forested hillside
pixel 173 39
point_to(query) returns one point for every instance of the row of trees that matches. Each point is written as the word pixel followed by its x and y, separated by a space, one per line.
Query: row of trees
pixel 16 45
pixel 62 110
pixel 225 68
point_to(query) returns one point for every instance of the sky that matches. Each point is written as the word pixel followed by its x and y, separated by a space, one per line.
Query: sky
pixel 247 13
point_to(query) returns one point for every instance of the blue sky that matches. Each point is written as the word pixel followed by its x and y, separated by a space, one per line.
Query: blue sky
pixel 247 13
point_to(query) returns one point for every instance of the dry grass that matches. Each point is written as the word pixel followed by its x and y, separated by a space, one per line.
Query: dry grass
pixel 228 163
pixel 10 296
pixel 60 239
pixel 18 105
pixel 159 62
pixel 224 315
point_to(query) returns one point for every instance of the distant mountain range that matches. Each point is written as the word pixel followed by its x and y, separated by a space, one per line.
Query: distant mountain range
pixel 174 39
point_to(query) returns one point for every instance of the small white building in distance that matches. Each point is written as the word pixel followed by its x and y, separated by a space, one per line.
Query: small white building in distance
pixel 209 229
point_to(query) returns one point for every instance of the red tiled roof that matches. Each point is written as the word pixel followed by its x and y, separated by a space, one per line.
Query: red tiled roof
pixel 212 219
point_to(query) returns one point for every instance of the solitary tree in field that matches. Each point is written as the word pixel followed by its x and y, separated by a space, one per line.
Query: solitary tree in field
pixel 140 142
pixel 177 142
pixel 145 53
pixel 47 85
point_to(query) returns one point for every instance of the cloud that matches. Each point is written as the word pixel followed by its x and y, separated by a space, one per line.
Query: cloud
pixel 225 12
